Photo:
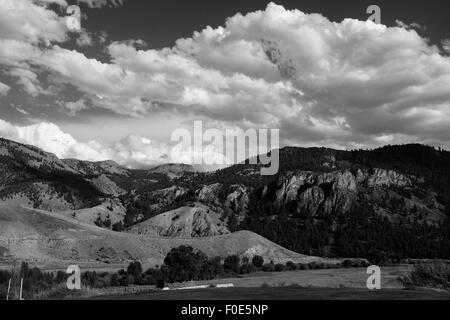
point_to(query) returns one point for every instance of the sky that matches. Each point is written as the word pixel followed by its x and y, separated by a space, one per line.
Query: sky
pixel 137 71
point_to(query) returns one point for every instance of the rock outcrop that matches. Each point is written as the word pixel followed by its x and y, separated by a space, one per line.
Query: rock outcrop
pixel 209 195
pixel 237 202
pixel 336 193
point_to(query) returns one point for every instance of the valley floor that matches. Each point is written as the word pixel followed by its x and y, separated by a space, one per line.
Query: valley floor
pixel 333 284
pixel 328 278
pixel 288 293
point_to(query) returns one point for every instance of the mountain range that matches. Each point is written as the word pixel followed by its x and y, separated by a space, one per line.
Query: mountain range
pixel 388 203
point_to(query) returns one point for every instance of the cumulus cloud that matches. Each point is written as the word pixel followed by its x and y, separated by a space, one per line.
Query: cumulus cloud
pixel 346 83
pixel 102 3
pixel 343 84
pixel 131 151
pixel 4 89
pixel 413 25
pixel 25 20
pixel 84 39
pixel 27 28
pixel 446 45
pixel 73 107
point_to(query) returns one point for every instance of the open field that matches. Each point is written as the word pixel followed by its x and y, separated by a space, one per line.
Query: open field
pixel 306 284
pixel 328 278
pixel 288 293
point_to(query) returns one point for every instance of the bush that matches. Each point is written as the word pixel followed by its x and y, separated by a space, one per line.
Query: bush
pixel 280 267
pixel 185 264
pixel 302 266
pixel 291 266
pixel 118 227
pixel 61 277
pixel 134 269
pixel 258 262
pixel 377 257
pixel 434 275
pixel 313 265
pixel 160 284
pixel 268 267
pixel 231 264
pixel 114 280
pixel 123 280
pixel 148 280
pixel 130 279
pixel 347 264
pixel 248 268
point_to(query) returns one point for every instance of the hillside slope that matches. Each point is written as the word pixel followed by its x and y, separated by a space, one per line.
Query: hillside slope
pixel 196 221
pixel 45 237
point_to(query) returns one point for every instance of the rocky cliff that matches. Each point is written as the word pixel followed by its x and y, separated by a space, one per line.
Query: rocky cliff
pixel 331 194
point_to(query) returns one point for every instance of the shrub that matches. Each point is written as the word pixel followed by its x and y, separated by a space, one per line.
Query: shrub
pixel 131 279
pixel 313 265
pixel 148 280
pixel 185 264
pixel 248 268
pixel 268 267
pixel 114 280
pixel 280 267
pixel 347 264
pixel 61 277
pixel 135 271
pixel 434 275
pixel 302 266
pixel 258 262
pixel 377 257
pixel 231 264
pixel 160 284
pixel 291 266
pixel 123 281
pixel 118 227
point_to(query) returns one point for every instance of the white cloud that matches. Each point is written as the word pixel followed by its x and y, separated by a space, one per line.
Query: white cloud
pixel 278 68
pixel 101 3
pixel 26 20
pixel 131 151
pixel 84 39
pixel 4 89
pixel 409 26
pixel 74 107
pixel 27 28
pixel 28 80
pixel 343 84
pixel 446 45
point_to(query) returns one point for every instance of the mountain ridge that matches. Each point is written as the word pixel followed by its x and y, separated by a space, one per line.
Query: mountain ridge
pixel 318 204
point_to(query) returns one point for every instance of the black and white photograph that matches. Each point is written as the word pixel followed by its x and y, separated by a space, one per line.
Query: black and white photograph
pixel 208 150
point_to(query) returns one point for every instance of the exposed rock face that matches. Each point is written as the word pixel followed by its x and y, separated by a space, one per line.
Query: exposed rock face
pixel 106 186
pixel 237 202
pixel 167 196
pixel 335 193
pixel 384 178
pixel 310 200
pixel 187 222
pixel 209 195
